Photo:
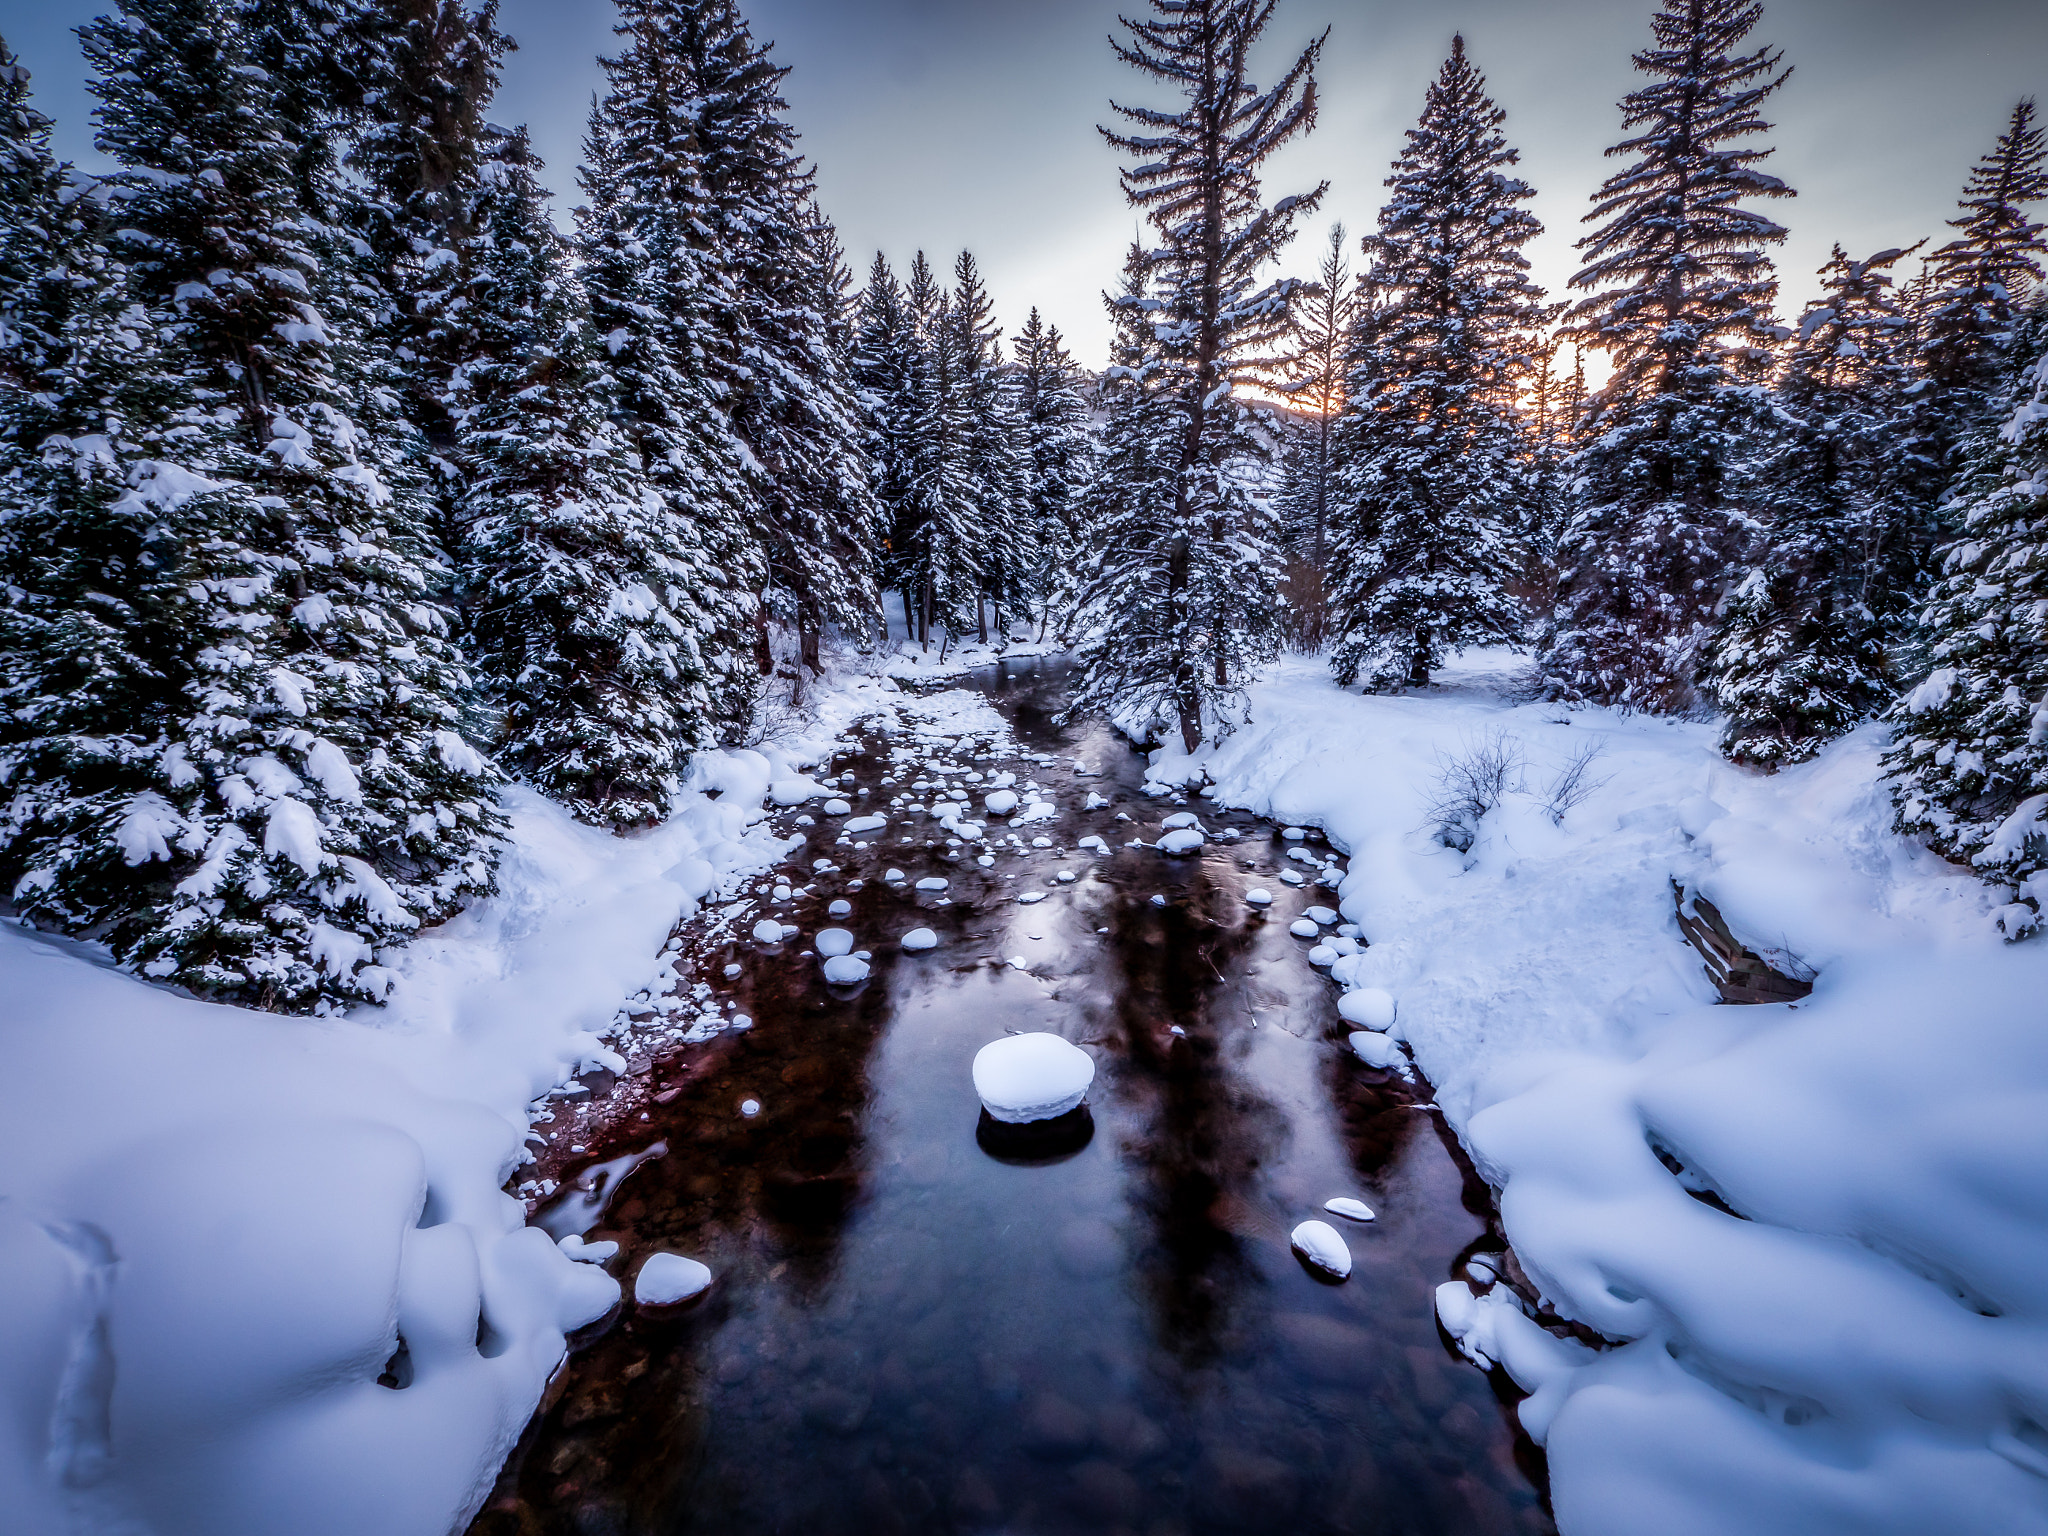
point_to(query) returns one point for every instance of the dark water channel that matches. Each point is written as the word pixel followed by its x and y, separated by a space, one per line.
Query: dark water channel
pixel 910 1333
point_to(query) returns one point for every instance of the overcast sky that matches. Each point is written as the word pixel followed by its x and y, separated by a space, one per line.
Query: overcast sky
pixel 938 124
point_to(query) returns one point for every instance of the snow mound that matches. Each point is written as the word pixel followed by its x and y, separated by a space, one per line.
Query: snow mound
pixel 1350 1209
pixel 1259 896
pixel 668 1279
pixel 1037 810
pixel 1029 1077
pixel 933 883
pixel 768 931
pixel 1324 1247
pixel 861 824
pixel 845 970
pixel 1185 841
pixel 837 807
pixel 1030 898
pixel 1375 1049
pixel 1002 802
pixel 833 941
pixel 1304 928
pixel 1323 915
pixel 1367 1007
pixel 1179 820
pixel 1322 955
pixel 840 908
pixel 920 939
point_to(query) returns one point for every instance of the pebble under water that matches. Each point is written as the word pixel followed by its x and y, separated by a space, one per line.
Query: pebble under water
pixel 926 1321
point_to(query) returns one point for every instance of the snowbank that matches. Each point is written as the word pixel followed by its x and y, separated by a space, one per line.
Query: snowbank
pixel 1816 1234
pixel 219 1225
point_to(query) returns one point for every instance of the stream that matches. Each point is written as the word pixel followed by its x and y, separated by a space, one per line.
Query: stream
pixel 923 1324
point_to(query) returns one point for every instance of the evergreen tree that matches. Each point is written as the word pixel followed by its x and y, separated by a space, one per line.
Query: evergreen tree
pixel 417 158
pixel 887 360
pixel 1318 382
pixel 1969 770
pixel 1976 282
pixel 939 542
pixel 996 450
pixel 658 299
pixel 1060 452
pixel 43 232
pixel 293 791
pixel 1126 600
pixel 1801 654
pixel 1433 477
pixel 1189 606
pixel 786 389
pixel 1681 298
pixel 573 615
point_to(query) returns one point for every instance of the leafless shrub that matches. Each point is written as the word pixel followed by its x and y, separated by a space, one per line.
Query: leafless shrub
pixel 1575 782
pixel 1471 784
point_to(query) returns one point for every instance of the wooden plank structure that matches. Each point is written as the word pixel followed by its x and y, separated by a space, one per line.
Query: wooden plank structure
pixel 1738 973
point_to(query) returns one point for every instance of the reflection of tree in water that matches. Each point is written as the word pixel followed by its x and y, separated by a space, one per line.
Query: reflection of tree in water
pixel 1205 1133
pixel 1375 1119
pixel 623 1431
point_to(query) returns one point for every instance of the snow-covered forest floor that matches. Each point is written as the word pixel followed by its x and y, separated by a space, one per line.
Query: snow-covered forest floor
pixel 1816 1231
pixel 1818 1226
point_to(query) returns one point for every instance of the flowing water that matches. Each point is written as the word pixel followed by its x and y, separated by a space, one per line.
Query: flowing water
pixel 922 1325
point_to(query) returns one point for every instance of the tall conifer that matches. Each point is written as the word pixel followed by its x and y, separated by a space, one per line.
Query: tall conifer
pixel 1188 606
pixel 1433 473
pixel 1681 295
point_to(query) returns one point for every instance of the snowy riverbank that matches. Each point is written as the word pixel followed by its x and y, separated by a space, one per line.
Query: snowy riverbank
pixel 1862 1349
pixel 218 1223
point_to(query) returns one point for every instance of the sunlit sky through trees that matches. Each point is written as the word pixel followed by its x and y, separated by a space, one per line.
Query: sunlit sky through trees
pixel 939 124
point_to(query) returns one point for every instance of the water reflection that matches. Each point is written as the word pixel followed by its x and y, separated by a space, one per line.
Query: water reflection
pixel 1092 1326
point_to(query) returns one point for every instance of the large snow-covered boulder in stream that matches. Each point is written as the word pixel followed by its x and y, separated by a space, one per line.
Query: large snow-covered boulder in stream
pixel 1180 841
pixel 1036 1076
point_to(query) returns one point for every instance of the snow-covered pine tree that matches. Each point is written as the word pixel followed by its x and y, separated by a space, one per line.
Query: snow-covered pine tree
pixel 1317 383
pixel 1324 321
pixel 1183 662
pixel 1433 475
pixel 301 794
pixel 1976 282
pixel 43 228
pixel 938 542
pixel 1801 652
pixel 1124 599
pixel 597 683
pixel 1969 770
pixel 1060 448
pixel 1681 294
pixel 429 76
pixel 997 461
pixel 663 303
pixel 786 388
pixel 887 358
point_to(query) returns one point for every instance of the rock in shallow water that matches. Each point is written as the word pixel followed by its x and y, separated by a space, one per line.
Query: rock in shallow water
pixel 667 1279
pixel 1037 1076
pixel 845 970
pixel 1324 1247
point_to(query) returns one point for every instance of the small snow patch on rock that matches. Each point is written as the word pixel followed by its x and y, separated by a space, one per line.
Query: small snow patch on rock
pixel 1324 1247
pixel 667 1279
